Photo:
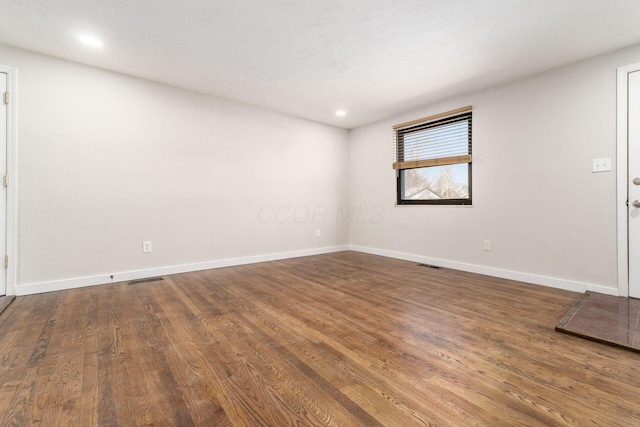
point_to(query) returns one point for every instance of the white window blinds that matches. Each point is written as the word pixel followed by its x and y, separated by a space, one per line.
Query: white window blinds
pixel 444 139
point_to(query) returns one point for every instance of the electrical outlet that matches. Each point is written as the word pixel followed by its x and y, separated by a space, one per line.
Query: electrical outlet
pixel 487 245
pixel 317 232
pixel 146 247
pixel 601 165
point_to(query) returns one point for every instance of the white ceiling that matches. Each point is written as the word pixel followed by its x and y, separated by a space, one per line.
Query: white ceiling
pixel 373 58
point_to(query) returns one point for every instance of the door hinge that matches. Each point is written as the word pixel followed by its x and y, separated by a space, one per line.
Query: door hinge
pixel 6 179
pixel 6 261
pixel 6 97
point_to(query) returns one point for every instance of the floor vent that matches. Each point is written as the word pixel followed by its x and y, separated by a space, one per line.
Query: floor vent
pixel 428 266
pixel 150 279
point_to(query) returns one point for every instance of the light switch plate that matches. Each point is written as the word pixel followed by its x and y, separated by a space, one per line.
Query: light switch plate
pixel 601 165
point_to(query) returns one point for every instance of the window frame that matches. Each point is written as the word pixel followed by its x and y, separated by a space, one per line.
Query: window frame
pixel 400 130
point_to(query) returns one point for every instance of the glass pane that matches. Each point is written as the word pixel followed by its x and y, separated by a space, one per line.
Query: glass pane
pixel 436 182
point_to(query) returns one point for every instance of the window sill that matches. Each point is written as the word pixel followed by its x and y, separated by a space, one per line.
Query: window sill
pixel 395 205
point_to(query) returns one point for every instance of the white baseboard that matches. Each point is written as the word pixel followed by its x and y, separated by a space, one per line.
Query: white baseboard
pixel 552 282
pixel 59 285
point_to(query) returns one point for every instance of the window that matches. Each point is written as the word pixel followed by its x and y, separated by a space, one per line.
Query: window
pixel 433 159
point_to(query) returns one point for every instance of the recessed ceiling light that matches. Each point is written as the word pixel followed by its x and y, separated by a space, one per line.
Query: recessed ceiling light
pixel 90 40
pixel 341 113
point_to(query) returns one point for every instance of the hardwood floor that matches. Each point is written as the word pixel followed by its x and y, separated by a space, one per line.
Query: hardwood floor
pixel 345 339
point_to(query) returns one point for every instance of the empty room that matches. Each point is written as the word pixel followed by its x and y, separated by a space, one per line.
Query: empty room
pixel 320 213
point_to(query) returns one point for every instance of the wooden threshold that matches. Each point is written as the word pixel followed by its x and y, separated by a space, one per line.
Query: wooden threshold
pixel 5 301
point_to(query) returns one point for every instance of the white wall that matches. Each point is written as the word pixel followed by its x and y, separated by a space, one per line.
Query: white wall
pixel 106 161
pixel 551 220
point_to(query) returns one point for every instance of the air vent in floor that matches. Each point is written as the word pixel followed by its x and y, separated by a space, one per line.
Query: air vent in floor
pixel 428 266
pixel 150 279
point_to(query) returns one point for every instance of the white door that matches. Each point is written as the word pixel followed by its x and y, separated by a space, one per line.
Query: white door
pixel 633 128
pixel 3 191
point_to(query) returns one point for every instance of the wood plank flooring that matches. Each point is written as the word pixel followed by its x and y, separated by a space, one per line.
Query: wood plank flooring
pixel 344 339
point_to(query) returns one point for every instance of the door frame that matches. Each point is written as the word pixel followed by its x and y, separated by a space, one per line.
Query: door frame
pixel 11 249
